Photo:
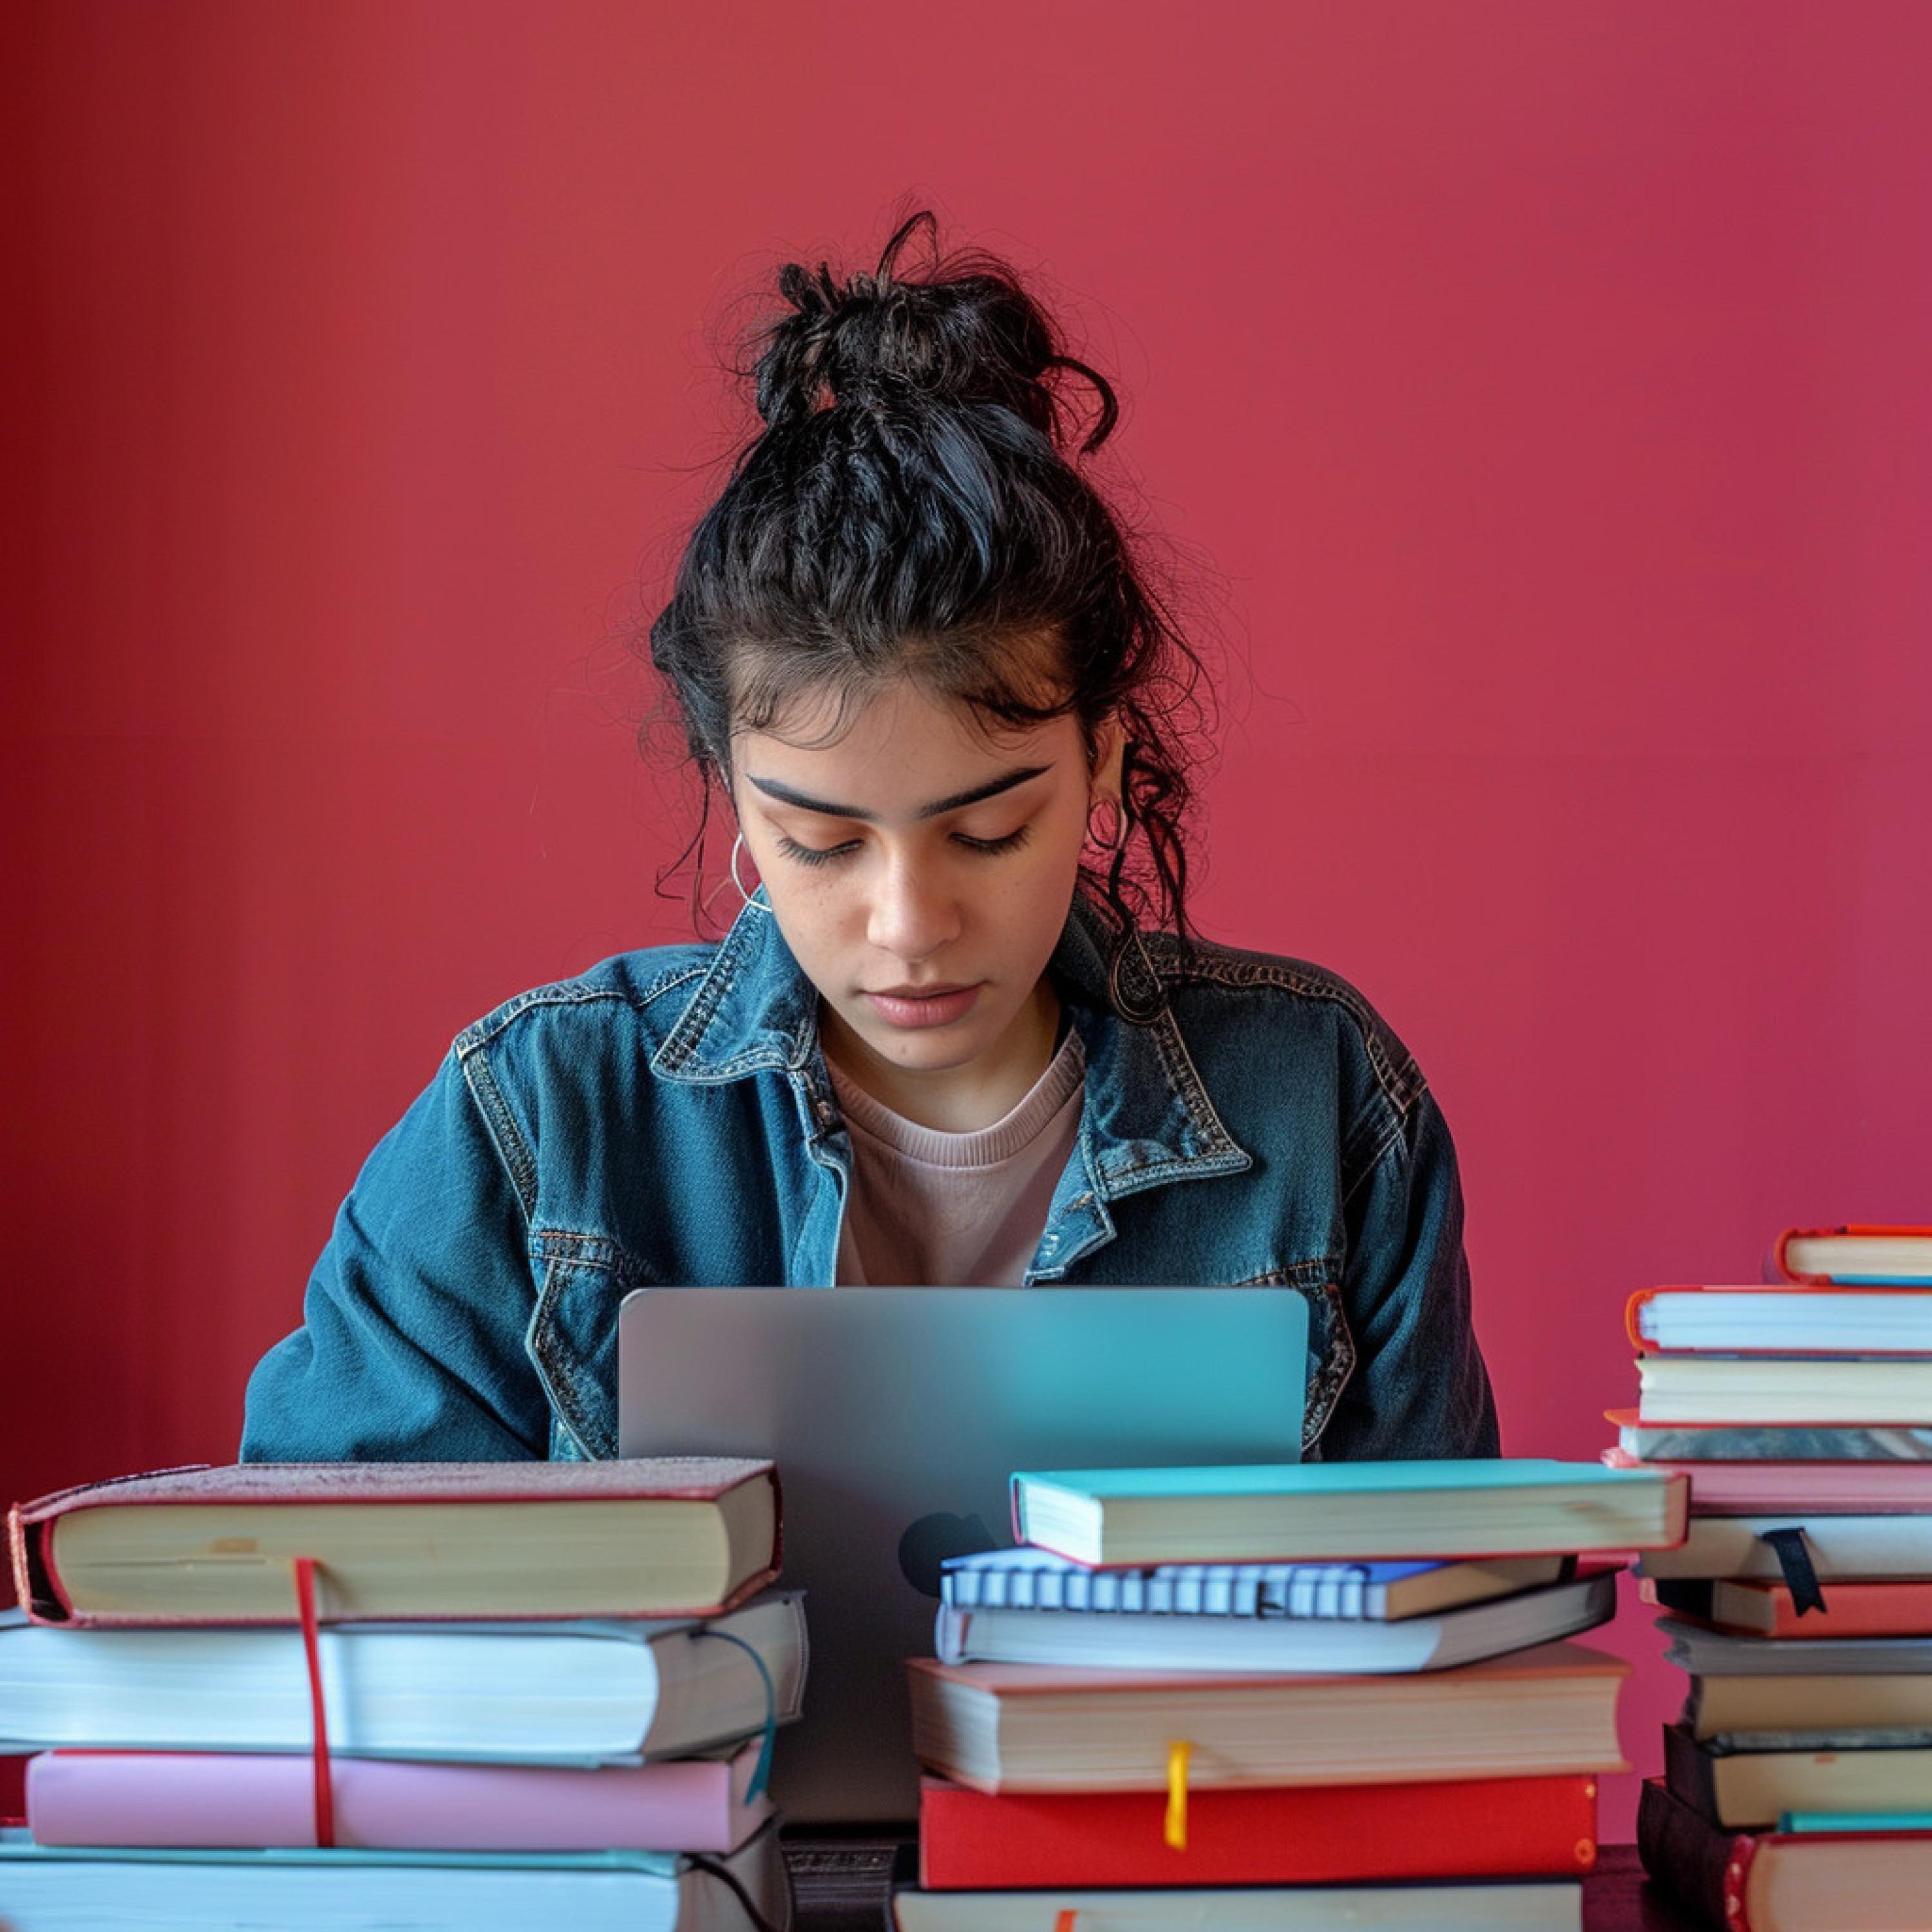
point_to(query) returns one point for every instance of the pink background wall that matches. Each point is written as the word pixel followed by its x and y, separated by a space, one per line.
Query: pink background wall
pixel 1548 383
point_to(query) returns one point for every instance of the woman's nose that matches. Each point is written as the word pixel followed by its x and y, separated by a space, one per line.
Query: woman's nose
pixel 912 914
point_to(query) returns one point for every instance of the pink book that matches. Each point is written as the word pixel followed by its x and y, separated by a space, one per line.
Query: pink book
pixel 212 1799
pixel 1821 1489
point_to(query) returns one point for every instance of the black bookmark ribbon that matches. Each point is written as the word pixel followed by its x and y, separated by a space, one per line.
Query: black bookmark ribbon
pixel 1794 1563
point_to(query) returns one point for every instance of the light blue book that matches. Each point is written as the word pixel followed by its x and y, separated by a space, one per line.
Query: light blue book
pixel 72 1888
pixel 1501 1506
pixel 576 1691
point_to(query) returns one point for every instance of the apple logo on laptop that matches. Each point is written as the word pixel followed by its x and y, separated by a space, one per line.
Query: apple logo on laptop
pixel 930 1540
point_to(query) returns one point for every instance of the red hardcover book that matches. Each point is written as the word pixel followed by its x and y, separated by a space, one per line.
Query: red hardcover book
pixel 1866 1252
pixel 1759 1608
pixel 1308 1834
pixel 644 1536
pixel 1781 1881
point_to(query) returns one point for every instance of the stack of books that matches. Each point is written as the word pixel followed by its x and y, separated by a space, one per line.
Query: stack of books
pixel 416 1695
pixel 1797 1791
pixel 1335 1694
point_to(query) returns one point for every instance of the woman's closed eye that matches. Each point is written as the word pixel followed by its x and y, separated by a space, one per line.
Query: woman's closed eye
pixel 824 855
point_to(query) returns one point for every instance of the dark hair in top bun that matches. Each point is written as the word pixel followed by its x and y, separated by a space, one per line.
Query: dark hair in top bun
pixel 910 509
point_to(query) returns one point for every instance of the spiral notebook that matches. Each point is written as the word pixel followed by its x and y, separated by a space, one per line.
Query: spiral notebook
pixel 1027 1578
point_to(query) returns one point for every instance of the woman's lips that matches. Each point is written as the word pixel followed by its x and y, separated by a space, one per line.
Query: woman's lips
pixel 937 1009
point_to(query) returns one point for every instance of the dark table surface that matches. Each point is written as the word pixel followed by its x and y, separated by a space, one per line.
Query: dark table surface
pixel 1617 1897
pixel 845 1892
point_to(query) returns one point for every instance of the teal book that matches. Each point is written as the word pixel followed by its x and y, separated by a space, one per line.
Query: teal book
pixel 68 1888
pixel 1855 1821
pixel 1293 1512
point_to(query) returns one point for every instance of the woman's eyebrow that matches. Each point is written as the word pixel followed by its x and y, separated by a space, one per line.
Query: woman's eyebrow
pixel 785 795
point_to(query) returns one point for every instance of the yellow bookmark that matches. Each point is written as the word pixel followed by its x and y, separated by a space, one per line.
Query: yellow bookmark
pixel 1176 1831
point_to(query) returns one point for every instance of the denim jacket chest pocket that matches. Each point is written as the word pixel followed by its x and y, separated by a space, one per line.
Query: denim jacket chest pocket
pixel 1331 1344
pixel 582 1281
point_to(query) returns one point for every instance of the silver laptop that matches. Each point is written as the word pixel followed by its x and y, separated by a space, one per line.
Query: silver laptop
pixel 897 1417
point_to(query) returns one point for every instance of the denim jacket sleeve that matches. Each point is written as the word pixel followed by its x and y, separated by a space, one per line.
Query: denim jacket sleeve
pixel 411 1345
pixel 1421 1386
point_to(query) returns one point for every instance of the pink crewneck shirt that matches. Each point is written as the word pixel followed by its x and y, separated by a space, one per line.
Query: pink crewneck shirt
pixel 932 1209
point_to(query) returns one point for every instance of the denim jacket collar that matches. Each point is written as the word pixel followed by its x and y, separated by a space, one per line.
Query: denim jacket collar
pixel 1147 1118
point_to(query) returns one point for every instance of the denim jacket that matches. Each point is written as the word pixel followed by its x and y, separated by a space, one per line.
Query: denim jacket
pixel 667 1118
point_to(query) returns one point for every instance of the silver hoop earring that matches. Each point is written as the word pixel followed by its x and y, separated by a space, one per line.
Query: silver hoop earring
pixel 1117 841
pixel 737 845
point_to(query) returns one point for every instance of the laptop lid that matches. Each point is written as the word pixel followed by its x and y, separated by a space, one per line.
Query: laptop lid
pixel 897 1417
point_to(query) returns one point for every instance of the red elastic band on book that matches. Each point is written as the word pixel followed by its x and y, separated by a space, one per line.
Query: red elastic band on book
pixel 324 1797
pixel 1064 1922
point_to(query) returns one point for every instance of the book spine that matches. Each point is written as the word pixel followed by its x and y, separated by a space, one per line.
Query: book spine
pixel 1706 1866
pixel 1633 1320
pixel 1781 1254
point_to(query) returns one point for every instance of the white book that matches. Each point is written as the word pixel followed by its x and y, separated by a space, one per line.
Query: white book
pixel 1846 1546
pixel 536 1693
pixel 62 1889
pixel 1773 1390
pixel 1246 1644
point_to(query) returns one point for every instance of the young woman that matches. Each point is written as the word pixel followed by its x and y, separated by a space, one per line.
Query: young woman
pixel 960 1032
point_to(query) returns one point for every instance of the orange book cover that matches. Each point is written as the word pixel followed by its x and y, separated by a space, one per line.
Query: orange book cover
pixel 1900 1610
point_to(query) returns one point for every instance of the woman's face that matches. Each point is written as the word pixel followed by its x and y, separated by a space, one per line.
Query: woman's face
pixel 921 872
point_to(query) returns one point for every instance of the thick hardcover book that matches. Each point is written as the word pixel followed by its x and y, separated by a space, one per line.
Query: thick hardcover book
pixel 1853 1880
pixel 1855 1548
pixel 1495 1506
pixel 1308 1834
pixel 1749 1789
pixel 663 1536
pixel 60 1887
pixel 186 1799
pixel 612 1692
pixel 1001 1727
pixel 1883 1256
pixel 1824 1391
pixel 1468 1905
pixel 1738 1707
